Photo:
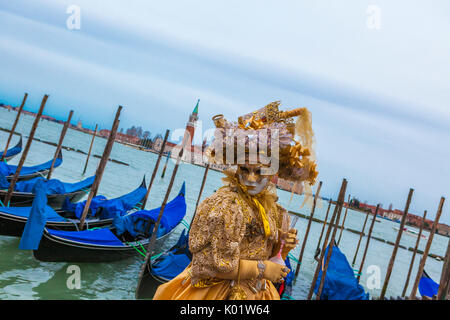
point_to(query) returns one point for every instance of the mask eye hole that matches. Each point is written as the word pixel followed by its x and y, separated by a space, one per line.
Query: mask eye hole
pixel 245 170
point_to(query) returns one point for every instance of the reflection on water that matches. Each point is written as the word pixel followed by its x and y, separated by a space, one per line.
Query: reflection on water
pixel 23 277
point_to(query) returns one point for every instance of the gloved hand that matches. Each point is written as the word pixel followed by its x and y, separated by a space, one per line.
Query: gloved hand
pixel 275 272
pixel 248 270
pixel 290 242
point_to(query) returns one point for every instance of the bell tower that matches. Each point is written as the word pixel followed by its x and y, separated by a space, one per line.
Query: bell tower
pixel 190 127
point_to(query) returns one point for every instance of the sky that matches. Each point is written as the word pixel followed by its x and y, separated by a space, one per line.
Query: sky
pixel 375 75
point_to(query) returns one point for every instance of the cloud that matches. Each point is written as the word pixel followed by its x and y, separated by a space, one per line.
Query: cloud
pixel 379 99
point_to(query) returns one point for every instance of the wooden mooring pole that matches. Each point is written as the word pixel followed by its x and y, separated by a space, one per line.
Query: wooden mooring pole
pixel 369 236
pixel 25 151
pixel 19 112
pixel 305 238
pixel 90 149
pixel 323 228
pixel 333 222
pixel 360 238
pixel 343 221
pixel 101 166
pixel 330 247
pixel 165 165
pixel 205 174
pixel 152 241
pixel 414 254
pixel 155 169
pixel 58 147
pixel 444 283
pixel 397 243
pixel 427 249
pixel 147 261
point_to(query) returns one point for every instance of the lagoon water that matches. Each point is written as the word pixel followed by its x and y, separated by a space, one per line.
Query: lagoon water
pixel 23 277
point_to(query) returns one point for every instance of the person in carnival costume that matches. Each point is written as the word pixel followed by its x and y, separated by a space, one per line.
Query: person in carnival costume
pixel 238 230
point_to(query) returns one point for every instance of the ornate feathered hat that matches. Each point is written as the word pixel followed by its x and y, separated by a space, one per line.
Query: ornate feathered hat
pixel 268 133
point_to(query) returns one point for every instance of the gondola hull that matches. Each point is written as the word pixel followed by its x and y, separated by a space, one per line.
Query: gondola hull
pixel 56 201
pixel 149 283
pixel 10 157
pixel 57 249
pixel 150 280
pixel 41 173
pixel 13 225
pixel 11 153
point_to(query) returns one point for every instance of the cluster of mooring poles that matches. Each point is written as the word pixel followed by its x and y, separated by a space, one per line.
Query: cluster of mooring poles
pixel 323 256
pixel 150 247
pixel 100 168
pixel 13 129
pixel 27 146
pixel 321 253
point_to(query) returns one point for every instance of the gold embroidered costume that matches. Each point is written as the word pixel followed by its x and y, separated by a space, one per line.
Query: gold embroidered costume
pixel 232 225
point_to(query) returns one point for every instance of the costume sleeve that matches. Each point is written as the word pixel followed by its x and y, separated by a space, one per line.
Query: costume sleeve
pixel 283 217
pixel 215 235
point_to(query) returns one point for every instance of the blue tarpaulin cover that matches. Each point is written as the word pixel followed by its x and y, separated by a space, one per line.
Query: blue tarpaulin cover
pixel 9 169
pixel 53 186
pixel 340 281
pixel 174 212
pixel 427 287
pixel 110 208
pixel 4 184
pixel 102 236
pixel 290 276
pixel 34 227
pixel 173 262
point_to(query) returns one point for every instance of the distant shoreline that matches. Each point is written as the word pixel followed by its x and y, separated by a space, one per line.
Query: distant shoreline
pixel 147 149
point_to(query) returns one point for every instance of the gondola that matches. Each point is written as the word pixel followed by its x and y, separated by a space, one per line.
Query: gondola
pixel 340 281
pixel 11 153
pixel 58 193
pixel 127 236
pixel 101 213
pixel 165 267
pixel 172 262
pixel 27 173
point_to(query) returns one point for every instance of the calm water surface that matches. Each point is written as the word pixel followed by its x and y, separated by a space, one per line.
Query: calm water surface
pixel 23 277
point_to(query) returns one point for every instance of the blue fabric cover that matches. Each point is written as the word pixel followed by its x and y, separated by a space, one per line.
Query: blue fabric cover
pixel 110 208
pixel 34 227
pixel 174 212
pixel 427 287
pixel 4 184
pixel 173 262
pixel 53 186
pixel 102 236
pixel 25 212
pixel 9 169
pixel 288 280
pixel 14 150
pixel 340 282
